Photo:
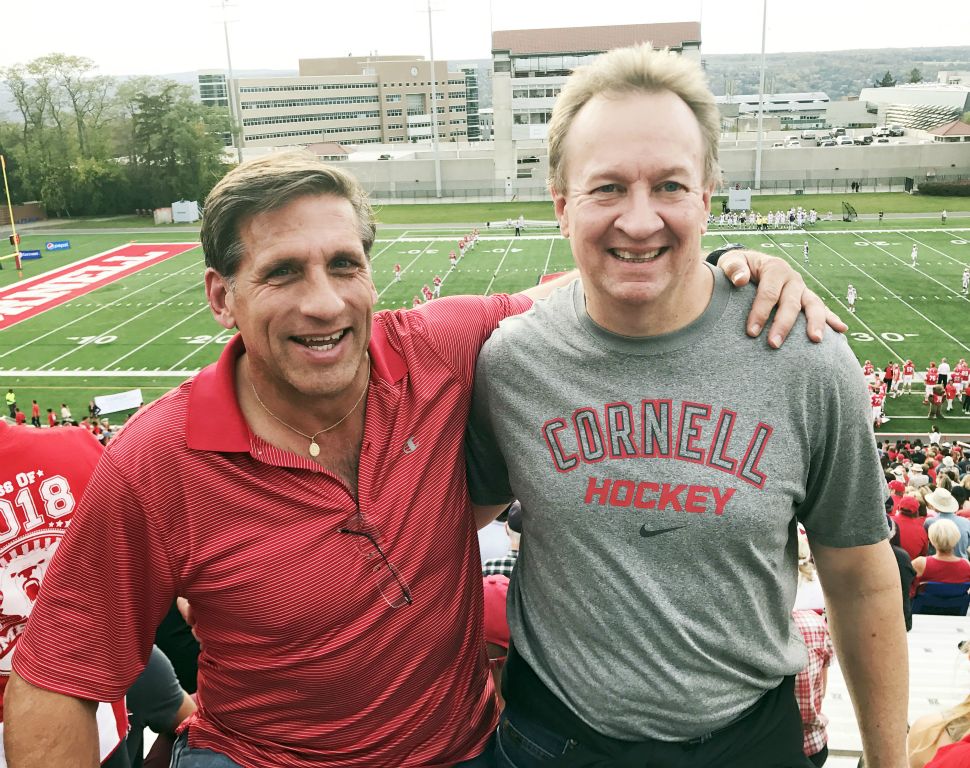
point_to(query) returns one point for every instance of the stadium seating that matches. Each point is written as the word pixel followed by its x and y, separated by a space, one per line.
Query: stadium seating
pixel 935 597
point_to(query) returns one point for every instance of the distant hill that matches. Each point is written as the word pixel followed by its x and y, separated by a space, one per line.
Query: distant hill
pixel 837 73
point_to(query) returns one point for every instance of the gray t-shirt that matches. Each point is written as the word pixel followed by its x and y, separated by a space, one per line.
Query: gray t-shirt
pixel 660 480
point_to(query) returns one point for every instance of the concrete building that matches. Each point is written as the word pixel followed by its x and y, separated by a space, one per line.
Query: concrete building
pixel 919 105
pixel 530 67
pixel 794 111
pixel 355 100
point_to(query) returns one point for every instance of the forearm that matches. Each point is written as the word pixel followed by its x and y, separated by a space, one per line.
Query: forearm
pixel 870 641
pixel 43 728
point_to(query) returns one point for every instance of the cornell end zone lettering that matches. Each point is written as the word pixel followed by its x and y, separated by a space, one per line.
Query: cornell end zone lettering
pixel 31 297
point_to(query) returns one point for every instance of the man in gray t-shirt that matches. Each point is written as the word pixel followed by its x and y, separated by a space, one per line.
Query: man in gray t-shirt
pixel 662 459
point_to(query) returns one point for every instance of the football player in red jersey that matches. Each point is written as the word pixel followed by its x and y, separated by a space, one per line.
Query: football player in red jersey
pixel 909 370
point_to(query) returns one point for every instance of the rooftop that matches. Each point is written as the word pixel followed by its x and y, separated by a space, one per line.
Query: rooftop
pixel 594 39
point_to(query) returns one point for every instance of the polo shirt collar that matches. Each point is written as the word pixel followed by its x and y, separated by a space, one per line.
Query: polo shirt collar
pixel 215 422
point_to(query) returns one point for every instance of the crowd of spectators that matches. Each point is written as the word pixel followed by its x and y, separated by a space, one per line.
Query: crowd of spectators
pixel 98 425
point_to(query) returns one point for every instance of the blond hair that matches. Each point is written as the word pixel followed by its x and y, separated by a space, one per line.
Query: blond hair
pixel 944 535
pixel 637 69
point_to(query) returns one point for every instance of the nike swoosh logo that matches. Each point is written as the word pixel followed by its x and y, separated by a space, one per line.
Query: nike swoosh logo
pixel 647 534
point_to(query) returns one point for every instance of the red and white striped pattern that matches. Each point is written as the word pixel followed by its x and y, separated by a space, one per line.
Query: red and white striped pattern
pixel 303 662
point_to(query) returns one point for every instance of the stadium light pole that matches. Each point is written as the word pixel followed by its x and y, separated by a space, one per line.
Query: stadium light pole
pixel 761 99
pixel 236 124
pixel 434 110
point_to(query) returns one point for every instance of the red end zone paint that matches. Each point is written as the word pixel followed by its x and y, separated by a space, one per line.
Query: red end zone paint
pixel 31 297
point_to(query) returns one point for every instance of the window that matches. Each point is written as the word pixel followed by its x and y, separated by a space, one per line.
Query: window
pixel 392 98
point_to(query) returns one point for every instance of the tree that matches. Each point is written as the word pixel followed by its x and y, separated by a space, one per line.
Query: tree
pixel 915 76
pixel 886 82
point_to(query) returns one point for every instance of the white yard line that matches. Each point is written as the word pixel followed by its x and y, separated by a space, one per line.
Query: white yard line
pixel 389 245
pixel 78 374
pixel 545 267
pixel 895 296
pixel 498 269
pixel 935 250
pixel 865 325
pixel 95 311
pixel 405 269
pixel 917 269
pixel 140 347
pixel 125 322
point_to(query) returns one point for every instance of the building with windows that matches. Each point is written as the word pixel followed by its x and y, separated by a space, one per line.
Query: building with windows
pixel 794 111
pixel 920 105
pixel 356 100
pixel 530 68
pixel 214 92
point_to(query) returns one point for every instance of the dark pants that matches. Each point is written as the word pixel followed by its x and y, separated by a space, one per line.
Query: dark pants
pixel 819 758
pixel 769 735
pixel 184 756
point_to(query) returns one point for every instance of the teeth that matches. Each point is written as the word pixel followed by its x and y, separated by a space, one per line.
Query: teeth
pixel 320 343
pixel 637 257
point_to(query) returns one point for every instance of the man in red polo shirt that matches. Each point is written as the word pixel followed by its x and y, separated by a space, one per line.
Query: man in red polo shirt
pixel 307 494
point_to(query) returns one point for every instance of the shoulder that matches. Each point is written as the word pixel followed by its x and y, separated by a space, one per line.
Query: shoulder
pixel 158 428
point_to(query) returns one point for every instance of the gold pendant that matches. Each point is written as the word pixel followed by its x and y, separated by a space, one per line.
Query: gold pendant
pixel 314 449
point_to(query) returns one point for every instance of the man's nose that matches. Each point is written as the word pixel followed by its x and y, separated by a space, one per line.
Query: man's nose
pixel 320 297
pixel 640 215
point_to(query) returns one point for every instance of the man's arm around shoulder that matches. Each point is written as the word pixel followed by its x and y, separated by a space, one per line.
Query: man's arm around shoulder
pixel 42 728
pixel 861 586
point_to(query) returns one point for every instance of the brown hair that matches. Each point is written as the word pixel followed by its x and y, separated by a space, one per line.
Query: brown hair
pixel 262 185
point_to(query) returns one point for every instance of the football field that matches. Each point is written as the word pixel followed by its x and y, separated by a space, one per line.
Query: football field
pixel 151 328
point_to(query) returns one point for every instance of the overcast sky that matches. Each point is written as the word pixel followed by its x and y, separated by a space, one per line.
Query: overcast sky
pixel 132 37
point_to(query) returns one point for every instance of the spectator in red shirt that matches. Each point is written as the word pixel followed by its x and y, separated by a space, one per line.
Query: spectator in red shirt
pixel 51 418
pixel 912 535
pixel 20 417
pixel 944 566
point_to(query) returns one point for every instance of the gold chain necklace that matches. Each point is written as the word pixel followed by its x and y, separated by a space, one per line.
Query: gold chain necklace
pixel 314 449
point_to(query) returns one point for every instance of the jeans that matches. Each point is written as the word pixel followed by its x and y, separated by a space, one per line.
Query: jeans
pixel 521 743
pixel 184 756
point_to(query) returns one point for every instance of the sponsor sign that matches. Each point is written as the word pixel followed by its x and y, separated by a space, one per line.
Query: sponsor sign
pixel 29 255
pixel 58 245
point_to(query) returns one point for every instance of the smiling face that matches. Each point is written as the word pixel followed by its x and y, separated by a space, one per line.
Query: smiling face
pixel 303 300
pixel 635 207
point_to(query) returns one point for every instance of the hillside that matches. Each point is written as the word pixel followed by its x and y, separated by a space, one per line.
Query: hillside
pixel 836 73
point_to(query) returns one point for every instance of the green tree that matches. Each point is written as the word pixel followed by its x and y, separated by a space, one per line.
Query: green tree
pixel 915 76
pixel 173 148
pixel 886 82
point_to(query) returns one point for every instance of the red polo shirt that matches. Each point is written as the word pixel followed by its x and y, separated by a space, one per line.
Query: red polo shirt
pixel 303 662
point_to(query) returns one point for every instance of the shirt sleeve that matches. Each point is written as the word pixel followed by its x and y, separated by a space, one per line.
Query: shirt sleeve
pixel 155 697
pixel 108 587
pixel 488 477
pixel 844 504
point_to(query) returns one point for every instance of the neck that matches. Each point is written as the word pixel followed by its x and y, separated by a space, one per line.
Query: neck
pixel 296 417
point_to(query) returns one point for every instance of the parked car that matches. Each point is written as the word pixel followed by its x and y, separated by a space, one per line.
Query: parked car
pixel 792 142
pixel 807 135
pixel 896 130
pixel 844 141
pixel 839 132
pixel 828 143
pixel 880 132
pixel 882 140
pixel 864 140
pixel 778 145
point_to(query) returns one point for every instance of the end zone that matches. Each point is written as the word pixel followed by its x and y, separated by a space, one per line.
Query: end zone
pixel 28 298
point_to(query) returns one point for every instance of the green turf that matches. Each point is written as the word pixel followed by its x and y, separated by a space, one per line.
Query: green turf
pixel 157 322
pixel 478 213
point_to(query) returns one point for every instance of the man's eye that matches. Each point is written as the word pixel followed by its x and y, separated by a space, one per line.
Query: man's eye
pixel 607 189
pixel 672 186
pixel 279 273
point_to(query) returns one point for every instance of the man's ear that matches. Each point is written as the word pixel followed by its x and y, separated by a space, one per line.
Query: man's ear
pixel 559 205
pixel 218 291
pixel 706 197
